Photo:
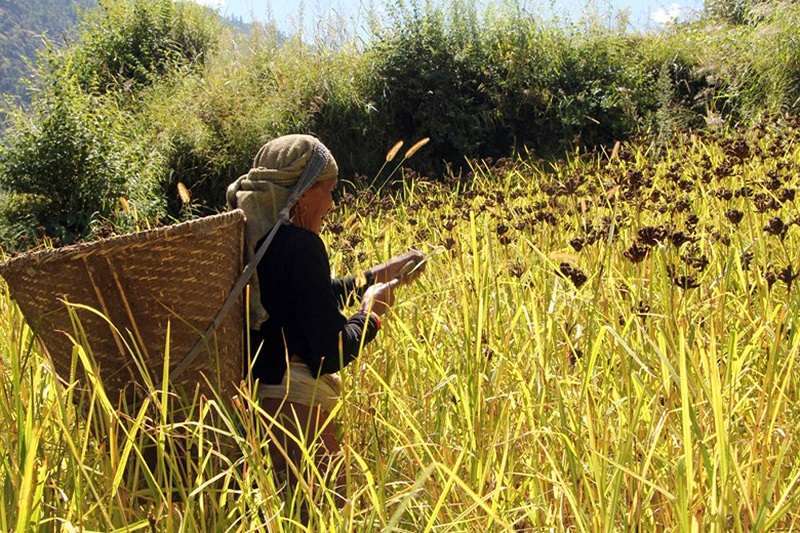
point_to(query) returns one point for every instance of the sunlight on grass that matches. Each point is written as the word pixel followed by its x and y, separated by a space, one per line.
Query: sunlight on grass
pixel 597 345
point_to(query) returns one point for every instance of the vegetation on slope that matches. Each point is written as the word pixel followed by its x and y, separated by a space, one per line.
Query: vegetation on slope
pixel 172 95
pixel 24 26
pixel 602 342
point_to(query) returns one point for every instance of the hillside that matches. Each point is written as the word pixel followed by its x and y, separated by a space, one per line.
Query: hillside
pixel 23 24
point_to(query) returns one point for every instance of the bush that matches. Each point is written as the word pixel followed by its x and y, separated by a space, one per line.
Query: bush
pixel 87 142
pixel 518 83
pixel 427 78
pixel 211 124
pixel 65 166
pixel 523 60
pixel 773 51
pixel 59 169
pixel 125 45
pixel 729 11
pixel 599 89
pixel 743 71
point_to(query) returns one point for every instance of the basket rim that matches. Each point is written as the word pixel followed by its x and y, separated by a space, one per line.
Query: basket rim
pixel 84 248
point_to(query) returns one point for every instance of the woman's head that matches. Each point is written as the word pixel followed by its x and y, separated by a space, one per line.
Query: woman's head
pixel 277 168
pixel 286 157
pixel 311 208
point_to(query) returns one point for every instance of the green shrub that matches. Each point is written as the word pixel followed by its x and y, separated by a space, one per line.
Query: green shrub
pixel 427 79
pixel 523 64
pixel 730 11
pixel 60 168
pixel 773 51
pixel 64 167
pixel 745 70
pixel 344 116
pixel 520 83
pixel 127 44
pixel 211 124
pixel 599 86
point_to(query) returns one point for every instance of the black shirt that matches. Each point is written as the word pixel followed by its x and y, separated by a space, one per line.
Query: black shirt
pixel 305 309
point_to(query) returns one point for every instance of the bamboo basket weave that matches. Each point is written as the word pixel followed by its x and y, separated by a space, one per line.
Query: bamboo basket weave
pixel 179 274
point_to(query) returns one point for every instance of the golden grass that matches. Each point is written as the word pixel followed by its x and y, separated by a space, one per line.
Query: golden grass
pixel 535 377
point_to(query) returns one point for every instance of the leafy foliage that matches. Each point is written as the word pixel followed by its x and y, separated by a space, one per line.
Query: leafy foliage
pixel 60 169
pixel 186 100
pixel 65 164
pixel 427 78
pixel 128 44
pixel 517 82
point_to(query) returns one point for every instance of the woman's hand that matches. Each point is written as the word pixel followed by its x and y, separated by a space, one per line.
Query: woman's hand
pixel 379 297
pixel 404 268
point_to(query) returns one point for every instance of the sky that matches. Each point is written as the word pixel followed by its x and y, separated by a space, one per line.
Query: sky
pixel 290 15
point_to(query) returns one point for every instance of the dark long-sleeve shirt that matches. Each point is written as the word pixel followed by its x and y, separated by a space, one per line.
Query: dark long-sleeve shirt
pixel 305 309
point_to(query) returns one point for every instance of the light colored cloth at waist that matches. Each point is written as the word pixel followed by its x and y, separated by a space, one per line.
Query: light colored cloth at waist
pixel 299 386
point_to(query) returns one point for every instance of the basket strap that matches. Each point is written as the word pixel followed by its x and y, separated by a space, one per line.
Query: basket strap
pixel 316 164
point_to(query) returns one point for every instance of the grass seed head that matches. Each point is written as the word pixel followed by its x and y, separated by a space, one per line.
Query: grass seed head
pixel 734 215
pixel 415 148
pixel 184 193
pixel 636 253
pixel 392 153
pixel 124 205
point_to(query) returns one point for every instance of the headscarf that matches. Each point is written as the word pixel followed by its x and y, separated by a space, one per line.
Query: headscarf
pixel 263 193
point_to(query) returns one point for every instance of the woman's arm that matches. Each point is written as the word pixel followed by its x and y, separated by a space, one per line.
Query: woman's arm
pixel 329 340
pixel 348 289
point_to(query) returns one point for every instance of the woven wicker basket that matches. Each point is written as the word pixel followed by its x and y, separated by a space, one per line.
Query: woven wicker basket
pixel 179 274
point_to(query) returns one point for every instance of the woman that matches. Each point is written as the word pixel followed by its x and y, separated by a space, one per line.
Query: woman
pixel 299 337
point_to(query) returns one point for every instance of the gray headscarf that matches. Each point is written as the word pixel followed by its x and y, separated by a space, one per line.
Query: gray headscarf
pixel 265 192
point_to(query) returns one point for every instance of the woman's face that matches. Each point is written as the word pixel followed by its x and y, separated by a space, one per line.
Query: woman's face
pixel 311 208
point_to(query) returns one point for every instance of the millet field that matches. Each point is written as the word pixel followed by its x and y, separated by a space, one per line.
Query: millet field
pixel 608 343
pixel 602 340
